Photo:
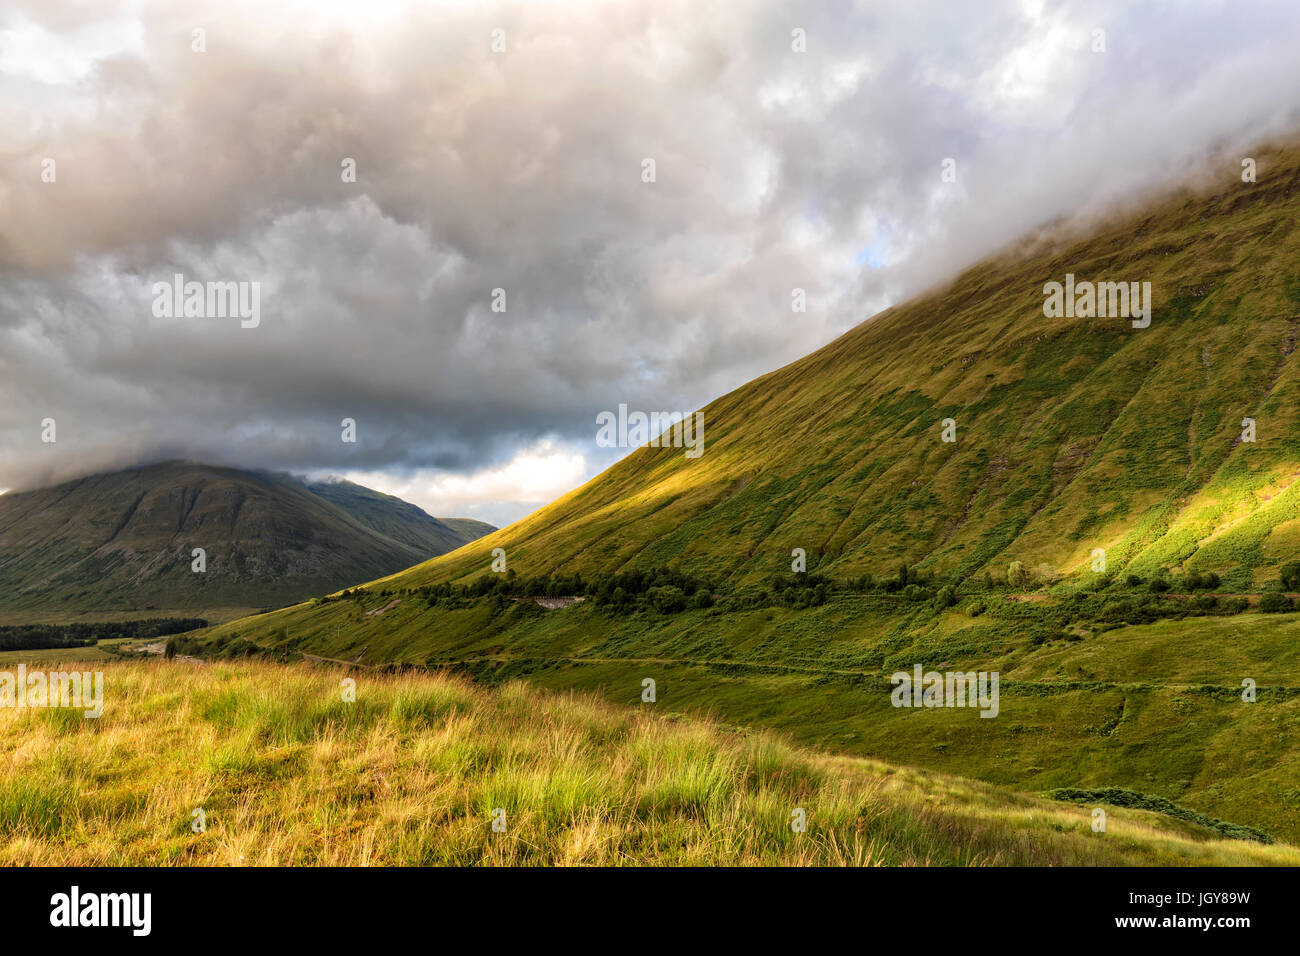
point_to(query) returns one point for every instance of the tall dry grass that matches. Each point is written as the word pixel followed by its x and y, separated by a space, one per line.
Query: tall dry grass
pixel 288 773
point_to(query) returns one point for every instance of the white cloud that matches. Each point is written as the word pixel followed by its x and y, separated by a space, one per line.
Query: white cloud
pixel 29 51
pixel 534 476
pixel 818 170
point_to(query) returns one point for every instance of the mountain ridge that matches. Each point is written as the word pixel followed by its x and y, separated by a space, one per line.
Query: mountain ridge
pixel 1029 396
pixel 124 540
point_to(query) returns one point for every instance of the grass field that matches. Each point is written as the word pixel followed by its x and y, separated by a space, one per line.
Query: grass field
pixel 57 655
pixel 1076 439
pixel 1156 708
pixel 412 772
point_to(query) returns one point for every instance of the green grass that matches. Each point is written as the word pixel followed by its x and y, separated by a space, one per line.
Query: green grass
pixel 413 772
pixel 1073 434
pixel 56 655
pixel 1154 707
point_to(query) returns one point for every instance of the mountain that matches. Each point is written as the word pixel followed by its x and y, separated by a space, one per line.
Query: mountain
pixel 1078 441
pixel 124 540
pixel 1071 434
pixel 400 520
pixel 470 529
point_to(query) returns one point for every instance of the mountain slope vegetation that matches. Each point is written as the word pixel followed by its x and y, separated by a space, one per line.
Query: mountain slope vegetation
pixel 1072 434
pixel 1171 671
pixel 124 540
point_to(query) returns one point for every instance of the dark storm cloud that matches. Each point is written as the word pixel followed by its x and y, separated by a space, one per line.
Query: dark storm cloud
pixel 522 171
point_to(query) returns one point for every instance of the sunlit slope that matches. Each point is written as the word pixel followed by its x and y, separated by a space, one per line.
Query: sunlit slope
pixel 1072 433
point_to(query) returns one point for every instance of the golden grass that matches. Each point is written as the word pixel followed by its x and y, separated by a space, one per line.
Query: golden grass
pixel 410 774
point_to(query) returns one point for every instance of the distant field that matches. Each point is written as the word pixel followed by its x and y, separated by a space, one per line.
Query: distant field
pixel 286 772
pixel 57 655
pixel 217 615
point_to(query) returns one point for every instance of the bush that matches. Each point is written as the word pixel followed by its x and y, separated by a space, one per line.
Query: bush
pixel 1274 602
pixel 667 600
pixel 1290 575
pixel 1194 581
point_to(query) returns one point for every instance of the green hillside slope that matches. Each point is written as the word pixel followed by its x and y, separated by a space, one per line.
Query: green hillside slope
pixel 123 541
pixel 469 529
pixel 1073 434
pixel 400 520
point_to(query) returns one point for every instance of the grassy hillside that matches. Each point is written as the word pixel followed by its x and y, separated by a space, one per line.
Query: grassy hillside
pixel 1072 434
pixel 400 520
pixel 470 529
pixel 288 773
pixel 1154 707
pixel 122 542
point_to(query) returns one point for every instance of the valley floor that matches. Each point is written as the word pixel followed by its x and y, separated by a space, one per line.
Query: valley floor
pixel 1156 708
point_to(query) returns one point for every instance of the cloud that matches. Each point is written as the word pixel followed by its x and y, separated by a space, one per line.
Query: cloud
pixel 522 171
pixel 534 476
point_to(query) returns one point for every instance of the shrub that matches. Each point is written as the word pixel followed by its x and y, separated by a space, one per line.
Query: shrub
pixel 1274 602
pixel 667 600
pixel 1194 580
pixel 1290 575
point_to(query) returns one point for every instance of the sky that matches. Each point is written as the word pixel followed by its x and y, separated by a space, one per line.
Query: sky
pixel 504 146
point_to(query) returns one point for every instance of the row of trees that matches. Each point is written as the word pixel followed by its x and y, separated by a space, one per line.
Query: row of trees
pixel 28 637
pixel 669 590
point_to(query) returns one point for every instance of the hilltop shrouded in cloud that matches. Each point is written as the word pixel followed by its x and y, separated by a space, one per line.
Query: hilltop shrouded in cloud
pixel 522 170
